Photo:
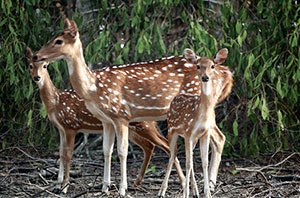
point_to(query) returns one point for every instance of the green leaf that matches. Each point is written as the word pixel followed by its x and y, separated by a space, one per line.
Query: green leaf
pixel 235 128
pixel 280 122
pixel 278 87
pixel 43 112
pixel 238 27
pixel 29 118
pixel 264 109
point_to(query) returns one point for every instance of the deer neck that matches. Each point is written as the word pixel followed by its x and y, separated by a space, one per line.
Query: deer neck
pixel 82 79
pixel 48 93
pixel 208 101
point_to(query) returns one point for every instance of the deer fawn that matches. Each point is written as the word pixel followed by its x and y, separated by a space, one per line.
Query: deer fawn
pixel 193 118
pixel 121 94
pixel 69 114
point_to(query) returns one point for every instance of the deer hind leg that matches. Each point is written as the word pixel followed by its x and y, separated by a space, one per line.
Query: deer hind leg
pixel 173 147
pixel 121 128
pixel 204 147
pixel 154 136
pixel 217 144
pixel 68 152
pixel 108 144
pixel 147 148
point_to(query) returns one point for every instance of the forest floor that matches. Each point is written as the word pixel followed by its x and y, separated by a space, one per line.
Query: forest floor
pixel 32 172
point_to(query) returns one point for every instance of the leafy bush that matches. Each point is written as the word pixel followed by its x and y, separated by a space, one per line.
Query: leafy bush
pixel 261 115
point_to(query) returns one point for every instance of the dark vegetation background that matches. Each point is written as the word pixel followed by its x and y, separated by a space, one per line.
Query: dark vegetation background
pixel 262 113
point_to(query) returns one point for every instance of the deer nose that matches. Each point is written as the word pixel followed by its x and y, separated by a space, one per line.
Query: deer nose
pixel 205 78
pixel 36 78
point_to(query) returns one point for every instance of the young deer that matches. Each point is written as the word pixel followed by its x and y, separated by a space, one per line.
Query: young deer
pixel 193 118
pixel 121 94
pixel 68 113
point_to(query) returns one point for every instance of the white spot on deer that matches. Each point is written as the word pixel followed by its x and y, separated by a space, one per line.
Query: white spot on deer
pixel 176 63
pixel 164 68
pixel 151 77
pixel 181 75
pixel 151 61
pixel 123 102
pixel 153 98
pixel 188 65
pixel 140 88
pixel 132 91
pixel 101 98
pixel 64 103
pixel 169 80
pixel 183 59
pixel 197 83
pixel 148 95
pixel 196 77
pixel 119 77
pixel 116 92
pixel 125 87
pixel 172 74
pixel 170 57
pixel 170 65
pixel 100 84
pixel 140 81
pixel 188 84
pixel 137 94
pixel 93 87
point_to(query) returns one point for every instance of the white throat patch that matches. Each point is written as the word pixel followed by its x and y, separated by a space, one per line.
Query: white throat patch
pixel 206 88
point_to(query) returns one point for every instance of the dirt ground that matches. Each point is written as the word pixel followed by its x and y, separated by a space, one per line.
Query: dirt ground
pixel 32 172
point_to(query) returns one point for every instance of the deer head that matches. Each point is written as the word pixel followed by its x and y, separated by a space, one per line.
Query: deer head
pixel 206 67
pixel 38 70
pixel 61 45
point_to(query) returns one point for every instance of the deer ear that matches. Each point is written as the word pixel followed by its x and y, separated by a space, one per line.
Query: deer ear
pixel 190 55
pixel 221 56
pixel 29 53
pixel 70 28
pixel 73 29
pixel 67 23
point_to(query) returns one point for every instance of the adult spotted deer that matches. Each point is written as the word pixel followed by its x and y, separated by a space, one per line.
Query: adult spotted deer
pixel 121 94
pixel 193 118
pixel 67 111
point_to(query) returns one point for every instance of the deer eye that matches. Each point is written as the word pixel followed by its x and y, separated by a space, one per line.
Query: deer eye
pixel 198 66
pixel 58 42
pixel 213 66
pixel 45 66
pixel 30 66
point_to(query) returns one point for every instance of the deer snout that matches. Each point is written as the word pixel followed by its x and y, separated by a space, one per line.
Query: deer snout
pixel 36 78
pixel 205 78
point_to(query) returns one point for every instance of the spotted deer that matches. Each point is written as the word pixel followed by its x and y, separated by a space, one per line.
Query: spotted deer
pixel 193 118
pixel 67 111
pixel 121 94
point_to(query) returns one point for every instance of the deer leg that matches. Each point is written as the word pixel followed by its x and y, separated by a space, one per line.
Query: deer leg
pixel 60 177
pixel 108 144
pixel 159 140
pixel 217 144
pixel 147 148
pixel 189 165
pixel 194 182
pixel 173 145
pixel 121 129
pixel 204 147
pixel 68 152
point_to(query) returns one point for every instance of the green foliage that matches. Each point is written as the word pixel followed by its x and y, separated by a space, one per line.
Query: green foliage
pixel 262 114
